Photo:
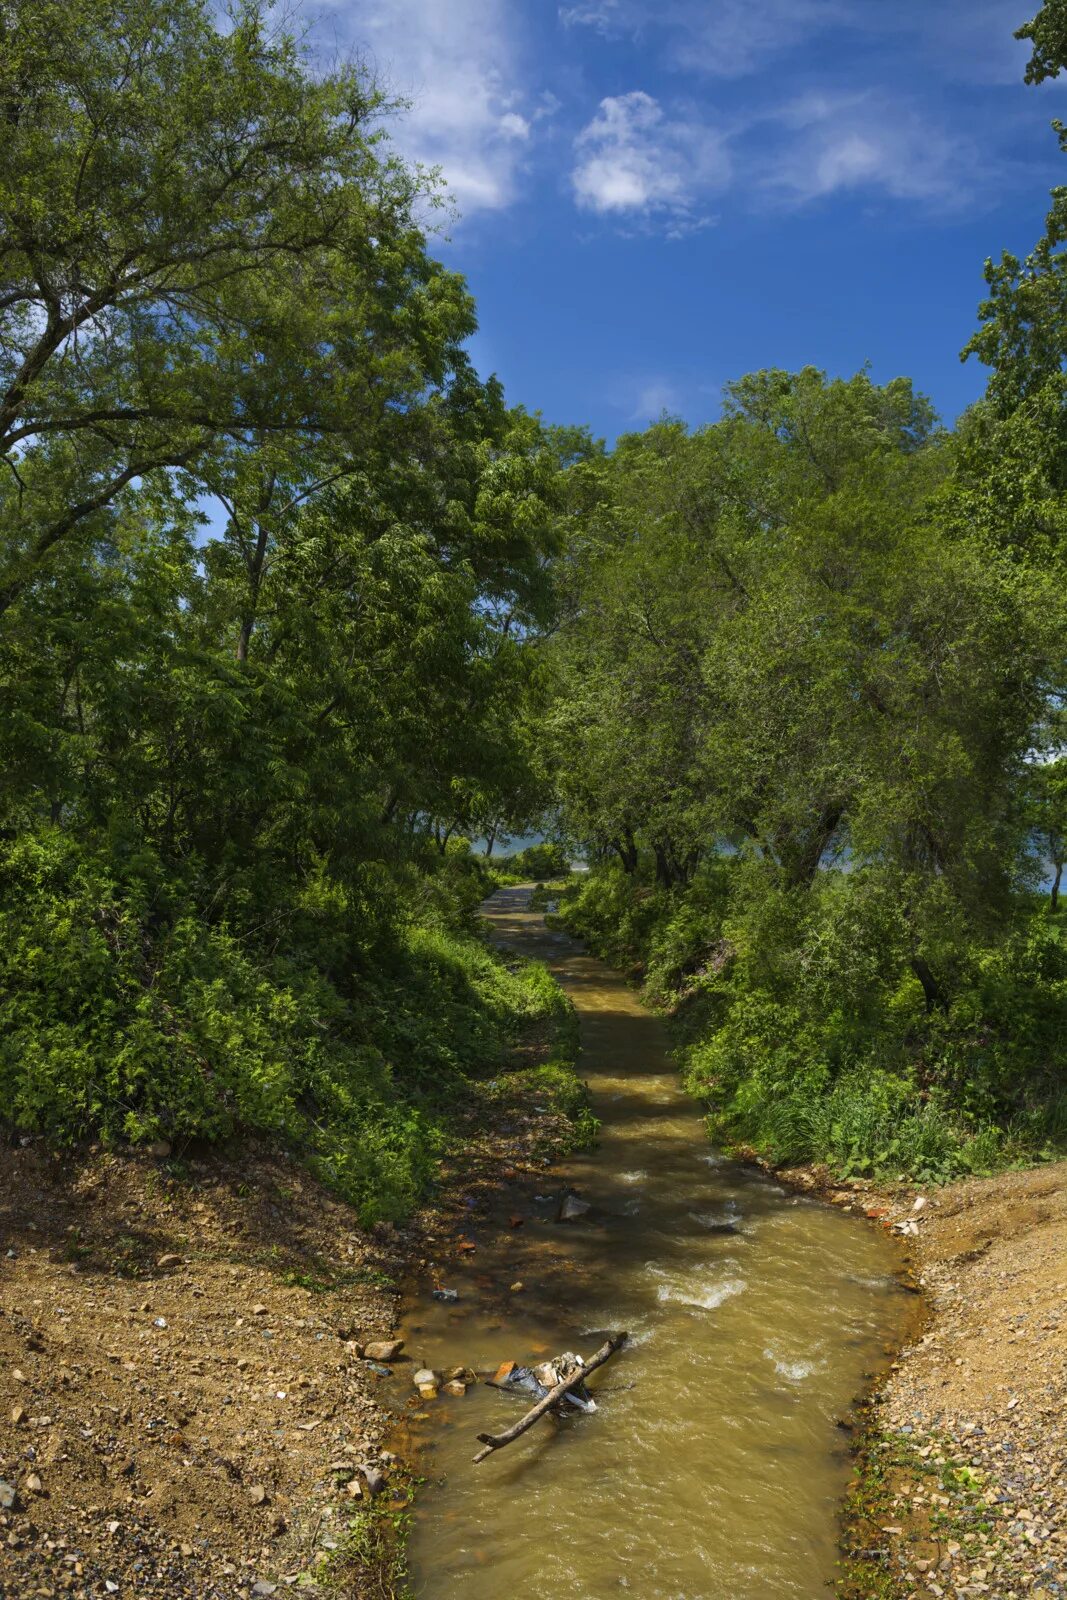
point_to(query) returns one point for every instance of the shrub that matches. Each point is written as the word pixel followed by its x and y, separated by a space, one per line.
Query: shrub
pixel 125 1013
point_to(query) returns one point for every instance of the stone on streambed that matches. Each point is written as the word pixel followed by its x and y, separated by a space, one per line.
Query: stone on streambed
pixel 427 1382
pixel 383 1349
pixel 572 1207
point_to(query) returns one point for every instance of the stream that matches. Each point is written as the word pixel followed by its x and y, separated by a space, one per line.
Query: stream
pixel 714 1467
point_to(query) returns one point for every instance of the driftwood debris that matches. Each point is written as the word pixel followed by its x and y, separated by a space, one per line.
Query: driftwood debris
pixel 497 1441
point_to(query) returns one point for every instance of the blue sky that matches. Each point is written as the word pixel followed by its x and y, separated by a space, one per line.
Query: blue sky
pixel 655 196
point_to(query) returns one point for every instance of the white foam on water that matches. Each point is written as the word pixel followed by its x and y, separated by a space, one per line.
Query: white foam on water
pixel 632 1177
pixel 712 1160
pixel 716 1219
pixel 701 1294
pixel 795 1371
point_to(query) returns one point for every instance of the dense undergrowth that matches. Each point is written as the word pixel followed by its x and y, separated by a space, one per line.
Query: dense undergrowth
pixel 804 1031
pixel 350 1033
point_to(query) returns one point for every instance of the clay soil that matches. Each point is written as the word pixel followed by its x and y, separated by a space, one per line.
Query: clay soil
pixel 185 1410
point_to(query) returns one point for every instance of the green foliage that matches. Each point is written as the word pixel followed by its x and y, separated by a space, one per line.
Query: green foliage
pixel 236 769
pixel 538 861
pixel 806 1034
pixel 124 1011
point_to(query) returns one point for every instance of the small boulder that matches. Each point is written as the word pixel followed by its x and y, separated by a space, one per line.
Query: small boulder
pixel 375 1480
pixel 572 1207
pixel 160 1149
pixel 383 1349
pixel 456 1387
pixel 32 1484
pixel 258 1495
pixel 7 1495
pixel 425 1375
pixel 169 1260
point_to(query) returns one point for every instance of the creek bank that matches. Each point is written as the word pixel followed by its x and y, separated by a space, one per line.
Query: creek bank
pixel 182 1342
pixel 961 1485
pixel 171 1372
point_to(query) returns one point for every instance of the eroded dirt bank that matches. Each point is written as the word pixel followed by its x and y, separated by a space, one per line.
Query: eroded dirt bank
pixel 184 1407
pixel 963 1482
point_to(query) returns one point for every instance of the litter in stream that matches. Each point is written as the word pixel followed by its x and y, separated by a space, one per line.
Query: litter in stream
pixel 569 1372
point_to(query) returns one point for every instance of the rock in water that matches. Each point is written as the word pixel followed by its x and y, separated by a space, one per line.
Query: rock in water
pixel 383 1349
pixel 572 1208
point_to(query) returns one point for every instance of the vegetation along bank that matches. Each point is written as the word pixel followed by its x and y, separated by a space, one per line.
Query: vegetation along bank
pixel 792 683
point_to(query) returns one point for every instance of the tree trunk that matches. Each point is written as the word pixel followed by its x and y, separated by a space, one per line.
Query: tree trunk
pixel 1054 898
pixel 626 850
pixel 935 995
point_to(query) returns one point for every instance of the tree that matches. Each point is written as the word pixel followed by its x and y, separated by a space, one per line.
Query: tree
pixel 208 265
pixel 1048 798
pixel 1047 32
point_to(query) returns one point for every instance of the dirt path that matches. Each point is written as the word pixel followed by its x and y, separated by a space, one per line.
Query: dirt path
pixel 964 1483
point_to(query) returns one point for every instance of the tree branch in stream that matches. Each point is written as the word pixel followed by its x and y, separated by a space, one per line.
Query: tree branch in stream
pixel 552 1398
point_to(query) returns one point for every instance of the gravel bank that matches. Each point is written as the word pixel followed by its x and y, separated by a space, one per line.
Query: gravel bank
pixel 962 1489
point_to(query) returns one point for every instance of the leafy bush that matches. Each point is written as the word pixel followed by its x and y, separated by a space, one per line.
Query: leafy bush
pixel 124 1012
pixel 805 1031
pixel 544 860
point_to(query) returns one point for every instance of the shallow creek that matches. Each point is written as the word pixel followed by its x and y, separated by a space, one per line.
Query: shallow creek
pixel 713 1468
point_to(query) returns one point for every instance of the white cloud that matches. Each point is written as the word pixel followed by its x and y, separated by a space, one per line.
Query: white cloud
pixel 656 396
pixel 726 38
pixel 634 161
pixel 459 65
pixel 869 142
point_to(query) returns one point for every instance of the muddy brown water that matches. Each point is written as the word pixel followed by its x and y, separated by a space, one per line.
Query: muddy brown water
pixel 713 1468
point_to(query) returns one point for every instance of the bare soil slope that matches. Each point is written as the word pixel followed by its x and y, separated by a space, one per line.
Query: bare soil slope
pixel 972 1422
pixel 174 1393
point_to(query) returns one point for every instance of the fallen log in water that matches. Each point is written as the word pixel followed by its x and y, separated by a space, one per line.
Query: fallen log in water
pixel 497 1441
